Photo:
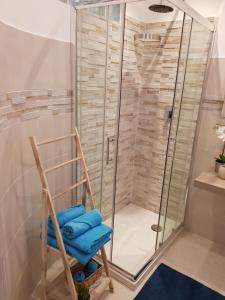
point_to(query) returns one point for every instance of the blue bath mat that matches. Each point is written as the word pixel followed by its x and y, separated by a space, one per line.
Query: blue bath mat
pixel 168 284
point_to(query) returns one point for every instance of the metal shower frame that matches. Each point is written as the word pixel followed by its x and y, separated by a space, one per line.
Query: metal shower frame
pixel 187 10
pixel 180 4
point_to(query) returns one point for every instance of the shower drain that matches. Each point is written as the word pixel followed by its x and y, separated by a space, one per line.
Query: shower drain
pixel 156 227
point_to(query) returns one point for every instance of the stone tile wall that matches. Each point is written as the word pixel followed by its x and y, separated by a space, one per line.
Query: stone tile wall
pixel 131 82
pixel 158 75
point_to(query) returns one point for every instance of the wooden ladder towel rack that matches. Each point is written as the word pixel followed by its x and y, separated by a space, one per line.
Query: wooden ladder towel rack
pixel 48 209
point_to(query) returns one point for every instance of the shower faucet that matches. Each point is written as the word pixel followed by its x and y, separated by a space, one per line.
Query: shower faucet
pixel 168 113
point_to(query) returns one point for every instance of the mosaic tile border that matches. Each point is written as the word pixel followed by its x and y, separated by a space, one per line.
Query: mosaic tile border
pixel 24 105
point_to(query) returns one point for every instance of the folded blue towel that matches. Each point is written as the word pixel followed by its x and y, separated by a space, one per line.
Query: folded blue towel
pixel 82 224
pixel 67 214
pixel 79 276
pixel 81 256
pixel 87 241
pixel 91 267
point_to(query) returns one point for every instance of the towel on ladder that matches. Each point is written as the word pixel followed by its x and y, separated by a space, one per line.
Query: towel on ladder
pixel 81 256
pixel 82 224
pixel 88 241
pixel 90 234
pixel 68 214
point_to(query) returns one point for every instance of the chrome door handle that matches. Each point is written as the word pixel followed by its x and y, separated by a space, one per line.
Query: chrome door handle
pixel 109 140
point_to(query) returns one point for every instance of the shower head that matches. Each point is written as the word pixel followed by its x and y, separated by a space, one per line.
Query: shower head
pixel 160 8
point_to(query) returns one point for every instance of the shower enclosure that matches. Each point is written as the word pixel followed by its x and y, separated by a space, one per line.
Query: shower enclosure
pixel 139 77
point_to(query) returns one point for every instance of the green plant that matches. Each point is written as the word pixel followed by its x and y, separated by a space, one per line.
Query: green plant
pixel 220 159
pixel 83 292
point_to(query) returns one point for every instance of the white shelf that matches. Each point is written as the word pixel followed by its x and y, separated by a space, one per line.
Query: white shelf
pixel 210 181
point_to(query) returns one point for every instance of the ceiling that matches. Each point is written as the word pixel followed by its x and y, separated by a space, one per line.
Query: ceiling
pixel 139 10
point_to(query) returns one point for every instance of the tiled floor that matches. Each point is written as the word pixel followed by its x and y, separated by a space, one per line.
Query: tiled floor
pixel 198 258
pixel 134 240
pixel 190 254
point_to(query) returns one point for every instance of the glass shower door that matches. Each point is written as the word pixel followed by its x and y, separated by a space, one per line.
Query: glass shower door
pixel 186 108
pixel 112 102
pixel 150 62
pixel 99 52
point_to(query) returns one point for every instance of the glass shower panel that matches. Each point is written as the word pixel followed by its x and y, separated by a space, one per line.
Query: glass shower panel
pixel 91 80
pixel 150 60
pixel 112 97
pixel 183 54
pixel 186 121
pixel 99 57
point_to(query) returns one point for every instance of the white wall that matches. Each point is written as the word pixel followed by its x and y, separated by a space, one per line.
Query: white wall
pixel 214 88
pixel 48 18
pixel 219 41
pixel 207 8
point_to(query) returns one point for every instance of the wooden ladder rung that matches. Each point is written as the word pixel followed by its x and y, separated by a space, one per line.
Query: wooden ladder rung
pixel 56 139
pixel 62 164
pixel 70 188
